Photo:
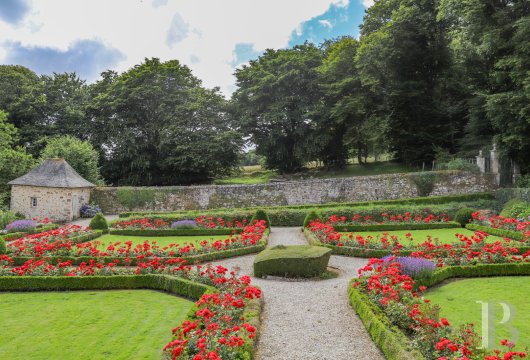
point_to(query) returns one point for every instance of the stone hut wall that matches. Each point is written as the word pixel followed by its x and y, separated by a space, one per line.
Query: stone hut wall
pixel 61 204
pixel 361 188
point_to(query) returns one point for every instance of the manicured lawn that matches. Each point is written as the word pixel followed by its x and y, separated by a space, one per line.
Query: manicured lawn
pixel 458 302
pixel 122 324
pixel 160 240
pixel 445 236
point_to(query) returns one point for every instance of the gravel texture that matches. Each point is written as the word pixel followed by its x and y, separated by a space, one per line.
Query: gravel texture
pixel 308 319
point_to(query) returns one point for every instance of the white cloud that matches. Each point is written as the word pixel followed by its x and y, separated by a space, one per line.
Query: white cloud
pixel 367 3
pixel 326 23
pixel 178 30
pixel 138 29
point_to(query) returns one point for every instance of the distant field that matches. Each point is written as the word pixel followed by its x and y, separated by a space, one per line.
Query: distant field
pixel 257 175
pixel 443 236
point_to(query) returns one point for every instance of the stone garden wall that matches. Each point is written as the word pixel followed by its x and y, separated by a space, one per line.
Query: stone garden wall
pixel 360 188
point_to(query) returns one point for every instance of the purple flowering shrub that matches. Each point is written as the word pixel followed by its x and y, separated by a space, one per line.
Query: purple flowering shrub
pixel 414 267
pixel 89 210
pixel 21 226
pixel 184 224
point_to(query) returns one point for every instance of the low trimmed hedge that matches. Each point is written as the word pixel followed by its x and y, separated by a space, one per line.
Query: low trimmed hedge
pixel 292 261
pixel 443 199
pixel 392 341
pixel 19 234
pixel 514 235
pixel 368 253
pixel 171 284
pixel 174 232
pixel 397 226
pixel 389 338
pixel 217 255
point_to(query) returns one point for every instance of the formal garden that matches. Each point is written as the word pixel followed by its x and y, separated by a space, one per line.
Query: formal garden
pixel 216 284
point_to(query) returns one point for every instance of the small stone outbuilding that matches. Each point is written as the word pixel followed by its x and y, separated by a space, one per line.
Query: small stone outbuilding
pixel 53 189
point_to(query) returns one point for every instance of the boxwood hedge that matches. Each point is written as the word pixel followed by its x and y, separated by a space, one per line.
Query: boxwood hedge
pixel 397 226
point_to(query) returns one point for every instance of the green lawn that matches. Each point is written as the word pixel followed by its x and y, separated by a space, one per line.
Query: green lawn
pixel 122 324
pixel 445 236
pixel 458 302
pixel 160 240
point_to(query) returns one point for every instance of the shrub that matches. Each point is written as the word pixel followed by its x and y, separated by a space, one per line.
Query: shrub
pixel 515 208
pixel 292 261
pixel 99 222
pixel 311 216
pixel 424 182
pixel 261 215
pixel 461 164
pixel 464 215
pixel 3 247
pixel 89 210
pixel 184 224
pixel 21 226
pixel 523 181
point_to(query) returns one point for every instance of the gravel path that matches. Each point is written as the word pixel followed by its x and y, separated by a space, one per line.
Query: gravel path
pixel 308 319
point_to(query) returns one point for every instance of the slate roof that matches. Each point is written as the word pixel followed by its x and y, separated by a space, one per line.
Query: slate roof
pixel 55 173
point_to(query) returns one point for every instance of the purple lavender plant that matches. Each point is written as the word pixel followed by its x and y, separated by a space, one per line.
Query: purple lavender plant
pixel 21 226
pixel 89 210
pixel 184 224
pixel 414 267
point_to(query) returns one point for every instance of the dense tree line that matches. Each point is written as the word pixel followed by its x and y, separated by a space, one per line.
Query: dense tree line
pixel 424 77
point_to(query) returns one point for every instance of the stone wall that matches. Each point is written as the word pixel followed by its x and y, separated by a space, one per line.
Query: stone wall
pixel 59 204
pixel 360 188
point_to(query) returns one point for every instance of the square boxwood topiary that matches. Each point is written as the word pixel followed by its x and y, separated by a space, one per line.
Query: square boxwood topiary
pixel 292 261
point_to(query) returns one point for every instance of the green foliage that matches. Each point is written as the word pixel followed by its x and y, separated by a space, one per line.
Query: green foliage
pixel 515 208
pixel 7 217
pixel 424 182
pixel 389 338
pixel 292 261
pixel 464 215
pixel 14 161
pixel 135 197
pixel 461 164
pixel 186 130
pixel 99 222
pixel 275 103
pixel 78 153
pixel 3 247
pixel 514 235
pixel 397 226
pixel 523 181
pixel 261 215
pixel 311 216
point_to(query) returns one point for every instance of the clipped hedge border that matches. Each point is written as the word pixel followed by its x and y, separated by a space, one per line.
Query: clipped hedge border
pixel 368 253
pixel 419 200
pixel 398 226
pixel 514 235
pixel 174 232
pixel 389 338
pixel 169 284
pixel 19 234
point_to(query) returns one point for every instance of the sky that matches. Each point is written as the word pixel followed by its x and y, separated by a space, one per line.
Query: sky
pixel 212 37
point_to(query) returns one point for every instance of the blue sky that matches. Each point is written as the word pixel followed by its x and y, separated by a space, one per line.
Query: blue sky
pixel 212 37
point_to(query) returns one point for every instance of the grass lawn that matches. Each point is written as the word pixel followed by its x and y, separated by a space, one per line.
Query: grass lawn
pixel 160 240
pixel 112 324
pixel 445 236
pixel 458 302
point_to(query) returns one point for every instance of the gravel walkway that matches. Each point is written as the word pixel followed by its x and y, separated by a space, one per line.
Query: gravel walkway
pixel 308 319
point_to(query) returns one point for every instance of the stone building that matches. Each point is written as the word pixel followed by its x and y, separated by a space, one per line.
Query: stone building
pixel 53 189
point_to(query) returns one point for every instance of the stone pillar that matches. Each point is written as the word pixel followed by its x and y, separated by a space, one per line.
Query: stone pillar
pixel 481 162
pixel 516 172
pixel 495 165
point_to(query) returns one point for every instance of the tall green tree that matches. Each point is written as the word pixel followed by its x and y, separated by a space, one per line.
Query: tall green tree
pixel 161 127
pixel 78 153
pixel 14 161
pixel 404 59
pixel 276 104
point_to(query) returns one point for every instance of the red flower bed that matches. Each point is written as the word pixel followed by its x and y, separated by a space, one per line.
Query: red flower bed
pixel 57 243
pixel 396 295
pixel 203 222
pixel 500 222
